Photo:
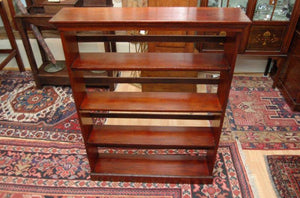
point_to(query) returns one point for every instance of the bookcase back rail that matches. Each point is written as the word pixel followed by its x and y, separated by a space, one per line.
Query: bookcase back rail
pixel 153 38
pixel 169 80
pixel 150 116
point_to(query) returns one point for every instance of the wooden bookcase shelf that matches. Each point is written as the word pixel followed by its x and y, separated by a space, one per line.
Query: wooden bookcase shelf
pixel 152 105
pixel 150 61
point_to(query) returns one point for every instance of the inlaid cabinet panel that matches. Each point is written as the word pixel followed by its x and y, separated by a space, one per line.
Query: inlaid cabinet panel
pixel 266 38
pixel 272 28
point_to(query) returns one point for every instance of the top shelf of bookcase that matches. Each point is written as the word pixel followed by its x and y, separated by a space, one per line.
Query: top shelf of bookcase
pixel 170 18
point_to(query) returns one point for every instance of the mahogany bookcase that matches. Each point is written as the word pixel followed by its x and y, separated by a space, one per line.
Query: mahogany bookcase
pixel 152 105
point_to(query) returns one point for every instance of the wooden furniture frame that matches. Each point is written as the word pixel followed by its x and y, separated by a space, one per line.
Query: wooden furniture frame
pixel 14 52
pixel 41 20
pixel 288 80
pixel 266 38
pixel 53 7
pixel 162 105
pixel 97 3
pixel 42 77
pixel 282 30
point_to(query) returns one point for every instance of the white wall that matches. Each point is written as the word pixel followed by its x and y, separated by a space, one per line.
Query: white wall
pixel 252 64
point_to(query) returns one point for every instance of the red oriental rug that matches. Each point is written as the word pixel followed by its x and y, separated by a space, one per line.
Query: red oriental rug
pixel 285 173
pixel 42 153
pixel 259 117
pixel 31 168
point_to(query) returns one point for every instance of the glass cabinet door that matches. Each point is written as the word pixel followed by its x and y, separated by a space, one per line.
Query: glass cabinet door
pixel 229 3
pixel 273 10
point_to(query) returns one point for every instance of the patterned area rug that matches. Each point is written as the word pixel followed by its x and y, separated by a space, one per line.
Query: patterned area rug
pixel 45 114
pixel 285 173
pixel 42 153
pixel 39 168
pixel 259 117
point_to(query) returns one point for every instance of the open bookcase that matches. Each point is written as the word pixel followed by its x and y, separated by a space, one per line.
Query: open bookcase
pixel 151 105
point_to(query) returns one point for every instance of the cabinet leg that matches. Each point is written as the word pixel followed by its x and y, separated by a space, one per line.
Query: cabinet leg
pixel 268 66
pixel 279 64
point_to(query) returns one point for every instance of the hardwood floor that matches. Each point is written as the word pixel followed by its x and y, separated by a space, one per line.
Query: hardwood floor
pixel 255 161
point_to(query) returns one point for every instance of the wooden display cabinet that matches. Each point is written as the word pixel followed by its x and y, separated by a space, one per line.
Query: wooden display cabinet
pixel 97 3
pixel 84 3
pixel 271 32
pixel 54 7
pixel 289 77
pixel 152 105
pixel 39 18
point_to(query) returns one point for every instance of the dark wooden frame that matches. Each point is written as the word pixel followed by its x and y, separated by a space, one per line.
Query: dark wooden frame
pixel 41 20
pixel 14 52
pixel 288 75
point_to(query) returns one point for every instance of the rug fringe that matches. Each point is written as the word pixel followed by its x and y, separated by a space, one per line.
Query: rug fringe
pixel 251 177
